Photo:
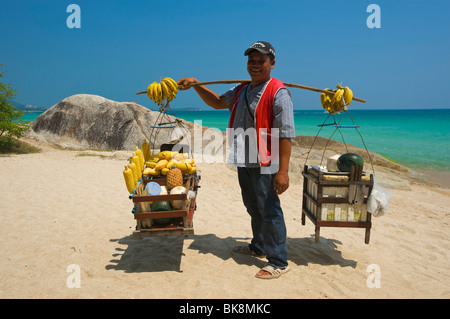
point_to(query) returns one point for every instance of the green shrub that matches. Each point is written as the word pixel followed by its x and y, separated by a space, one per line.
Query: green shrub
pixel 12 126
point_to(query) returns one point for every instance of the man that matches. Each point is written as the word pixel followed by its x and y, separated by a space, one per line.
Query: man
pixel 261 112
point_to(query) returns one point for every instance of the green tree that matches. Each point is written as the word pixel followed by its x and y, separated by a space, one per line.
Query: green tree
pixel 12 126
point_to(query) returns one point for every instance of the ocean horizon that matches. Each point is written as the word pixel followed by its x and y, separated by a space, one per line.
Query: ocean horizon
pixel 416 138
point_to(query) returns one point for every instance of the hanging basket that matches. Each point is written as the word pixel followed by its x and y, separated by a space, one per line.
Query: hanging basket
pixel 337 199
pixel 168 133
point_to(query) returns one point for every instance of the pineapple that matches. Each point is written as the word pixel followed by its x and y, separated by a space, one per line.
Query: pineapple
pixel 174 178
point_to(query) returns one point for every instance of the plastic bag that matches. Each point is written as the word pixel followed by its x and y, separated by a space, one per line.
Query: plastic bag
pixel 378 200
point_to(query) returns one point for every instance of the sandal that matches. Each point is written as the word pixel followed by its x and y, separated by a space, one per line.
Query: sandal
pixel 274 272
pixel 247 251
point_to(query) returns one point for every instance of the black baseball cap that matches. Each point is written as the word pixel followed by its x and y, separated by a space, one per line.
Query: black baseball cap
pixel 263 47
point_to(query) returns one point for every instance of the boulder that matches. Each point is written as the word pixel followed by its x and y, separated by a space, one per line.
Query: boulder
pixel 85 121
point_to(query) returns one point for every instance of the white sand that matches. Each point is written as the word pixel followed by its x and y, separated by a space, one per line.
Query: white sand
pixel 59 209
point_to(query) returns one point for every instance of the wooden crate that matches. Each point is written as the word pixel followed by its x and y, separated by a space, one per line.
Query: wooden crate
pixel 183 218
pixel 336 199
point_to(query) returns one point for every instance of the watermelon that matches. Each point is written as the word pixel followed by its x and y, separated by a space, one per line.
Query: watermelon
pixel 346 161
pixel 160 206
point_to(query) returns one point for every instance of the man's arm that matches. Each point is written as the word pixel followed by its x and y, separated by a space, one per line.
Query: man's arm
pixel 284 120
pixel 281 181
pixel 211 98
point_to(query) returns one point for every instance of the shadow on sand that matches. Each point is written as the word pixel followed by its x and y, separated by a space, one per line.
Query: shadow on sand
pixel 156 254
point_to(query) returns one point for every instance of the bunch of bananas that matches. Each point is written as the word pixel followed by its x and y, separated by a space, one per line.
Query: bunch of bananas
pixel 165 90
pixel 335 103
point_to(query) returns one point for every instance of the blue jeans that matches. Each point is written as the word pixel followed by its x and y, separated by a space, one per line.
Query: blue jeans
pixel 267 220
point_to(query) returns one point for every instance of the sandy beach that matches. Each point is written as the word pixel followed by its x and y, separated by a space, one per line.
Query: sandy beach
pixel 60 208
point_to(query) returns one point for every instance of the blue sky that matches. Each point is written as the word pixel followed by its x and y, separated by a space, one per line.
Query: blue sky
pixel 122 46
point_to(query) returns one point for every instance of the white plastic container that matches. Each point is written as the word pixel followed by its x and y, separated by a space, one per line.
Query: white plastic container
pixel 332 163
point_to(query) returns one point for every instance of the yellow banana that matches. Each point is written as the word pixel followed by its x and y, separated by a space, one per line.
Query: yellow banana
pixel 348 95
pixel 339 105
pixel 337 96
pixel 330 109
pixel 172 86
pixel 171 82
pixel 150 91
pixel 171 97
pixel 171 90
pixel 161 96
pixel 322 99
pixel 157 93
pixel 167 83
pixel 325 99
pixel 165 91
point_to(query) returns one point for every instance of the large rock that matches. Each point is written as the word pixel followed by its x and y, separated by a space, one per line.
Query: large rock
pixel 85 121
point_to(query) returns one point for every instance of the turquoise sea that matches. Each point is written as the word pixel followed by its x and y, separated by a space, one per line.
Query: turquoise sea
pixel 415 138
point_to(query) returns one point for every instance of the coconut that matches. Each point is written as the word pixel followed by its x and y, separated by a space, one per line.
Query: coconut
pixel 178 204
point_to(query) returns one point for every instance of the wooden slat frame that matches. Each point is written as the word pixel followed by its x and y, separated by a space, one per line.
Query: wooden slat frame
pixel 187 214
pixel 355 179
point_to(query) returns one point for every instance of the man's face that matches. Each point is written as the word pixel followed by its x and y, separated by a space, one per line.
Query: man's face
pixel 259 66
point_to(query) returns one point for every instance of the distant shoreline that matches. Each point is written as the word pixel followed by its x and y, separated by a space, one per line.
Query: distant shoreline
pixel 378 140
pixel 199 109
pixel 28 112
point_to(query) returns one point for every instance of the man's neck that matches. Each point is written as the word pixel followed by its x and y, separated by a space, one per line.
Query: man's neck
pixel 256 83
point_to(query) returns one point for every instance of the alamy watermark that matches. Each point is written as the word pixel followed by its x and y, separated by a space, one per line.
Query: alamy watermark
pixel 235 146
pixel 374 276
pixel 74 279
pixel 74 19
pixel 374 19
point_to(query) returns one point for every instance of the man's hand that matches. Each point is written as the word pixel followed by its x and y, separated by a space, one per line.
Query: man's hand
pixel 184 83
pixel 209 97
pixel 281 182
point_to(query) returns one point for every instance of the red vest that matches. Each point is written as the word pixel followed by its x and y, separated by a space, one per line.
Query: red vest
pixel 263 118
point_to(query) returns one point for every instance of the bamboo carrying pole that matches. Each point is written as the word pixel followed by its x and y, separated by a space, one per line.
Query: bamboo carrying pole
pixel 298 86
